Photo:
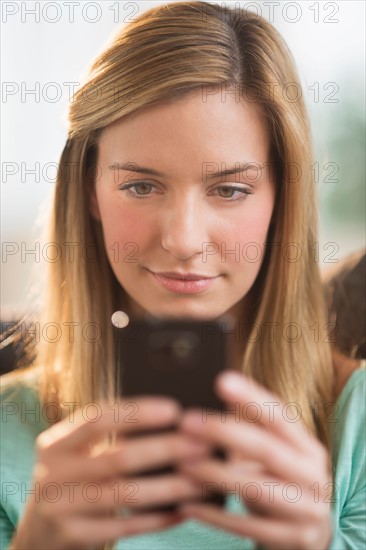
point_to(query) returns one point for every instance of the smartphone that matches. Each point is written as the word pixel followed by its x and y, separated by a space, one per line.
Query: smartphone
pixel 174 358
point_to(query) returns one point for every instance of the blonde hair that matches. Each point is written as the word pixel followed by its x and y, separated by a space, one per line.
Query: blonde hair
pixel 165 53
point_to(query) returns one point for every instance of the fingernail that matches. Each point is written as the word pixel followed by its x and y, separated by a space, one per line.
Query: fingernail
pixel 232 381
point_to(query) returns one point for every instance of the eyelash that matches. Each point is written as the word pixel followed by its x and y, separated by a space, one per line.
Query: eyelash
pixel 241 190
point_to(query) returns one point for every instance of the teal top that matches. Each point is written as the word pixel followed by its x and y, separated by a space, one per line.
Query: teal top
pixel 23 419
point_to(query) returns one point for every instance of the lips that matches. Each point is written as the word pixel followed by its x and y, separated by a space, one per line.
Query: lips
pixel 183 283
pixel 183 276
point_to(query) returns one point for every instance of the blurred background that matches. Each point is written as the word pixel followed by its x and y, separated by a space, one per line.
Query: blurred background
pixel 46 49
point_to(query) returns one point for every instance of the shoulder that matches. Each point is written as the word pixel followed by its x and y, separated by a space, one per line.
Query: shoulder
pixel 348 421
pixel 21 409
pixel 19 384
pixel 344 368
pixel 22 420
pixel 353 382
pixel 349 462
pixel 352 395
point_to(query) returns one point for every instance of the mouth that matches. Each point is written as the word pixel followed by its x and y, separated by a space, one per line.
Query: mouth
pixel 184 283
pixel 183 276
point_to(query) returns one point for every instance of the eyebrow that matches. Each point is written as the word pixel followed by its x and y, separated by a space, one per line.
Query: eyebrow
pixel 239 167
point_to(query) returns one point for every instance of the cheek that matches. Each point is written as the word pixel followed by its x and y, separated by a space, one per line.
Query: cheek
pixel 243 247
pixel 122 224
pixel 250 228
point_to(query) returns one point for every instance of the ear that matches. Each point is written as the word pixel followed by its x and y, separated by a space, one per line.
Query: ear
pixel 94 206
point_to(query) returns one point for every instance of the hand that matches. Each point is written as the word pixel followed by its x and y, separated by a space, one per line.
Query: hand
pixel 78 494
pixel 266 455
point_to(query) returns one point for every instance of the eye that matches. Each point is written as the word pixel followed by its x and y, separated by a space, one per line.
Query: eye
pixel 229 190
pixel 142 185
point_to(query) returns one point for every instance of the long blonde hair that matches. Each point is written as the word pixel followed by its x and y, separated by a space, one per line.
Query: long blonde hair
pixel 167 52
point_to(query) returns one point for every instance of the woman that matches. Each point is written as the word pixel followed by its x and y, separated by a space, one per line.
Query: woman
pixel 180 159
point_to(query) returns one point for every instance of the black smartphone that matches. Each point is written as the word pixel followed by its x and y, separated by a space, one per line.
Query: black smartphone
pixel 175 358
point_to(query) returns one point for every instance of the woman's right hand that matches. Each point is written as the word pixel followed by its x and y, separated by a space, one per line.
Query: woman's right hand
pixel 77 494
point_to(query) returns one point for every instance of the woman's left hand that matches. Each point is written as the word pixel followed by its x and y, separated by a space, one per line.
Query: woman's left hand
pixel 273 464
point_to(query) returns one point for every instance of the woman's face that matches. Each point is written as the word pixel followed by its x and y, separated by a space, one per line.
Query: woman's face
pixel 183 215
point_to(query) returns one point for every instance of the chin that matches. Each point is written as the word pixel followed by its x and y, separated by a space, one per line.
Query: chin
pixel 186 313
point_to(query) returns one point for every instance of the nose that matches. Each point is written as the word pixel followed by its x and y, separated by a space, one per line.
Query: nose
pixel 184 229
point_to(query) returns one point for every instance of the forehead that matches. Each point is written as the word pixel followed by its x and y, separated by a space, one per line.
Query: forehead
pixel 191 129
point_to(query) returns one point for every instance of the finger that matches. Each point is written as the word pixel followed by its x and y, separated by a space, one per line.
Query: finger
pixel 273 532
pixel 150 452
pixel 254 444
pixel 161 489
pixel 236 388
pixel 75 433
pixel 145 453
pixel 262 493
pixel 97 499
pixel 82 531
